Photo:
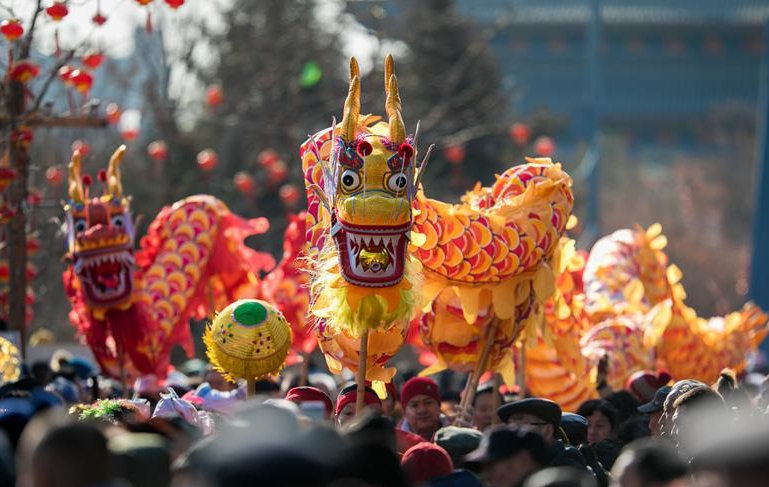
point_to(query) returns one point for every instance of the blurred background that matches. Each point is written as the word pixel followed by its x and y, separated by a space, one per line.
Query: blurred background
pixel 650 104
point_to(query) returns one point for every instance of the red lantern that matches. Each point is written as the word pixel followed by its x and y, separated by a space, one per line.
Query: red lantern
pixel 158 150
pixel 54 176
pixel 99 19
pixel 544 146
pixel 93 60
pixel 520 133
pixel 65 74
pixel 57 11
pixel 34 198
pixel 144 2
pixel 130 124
pixel 6 213
pixel 24 71
pixel 207 160
pixel 82 80
pixel 33 245
pixel 277 172
pixel 11 29
pixel 7 174
pixel 22 136
pixel 81 146
pixel 455 154
pixel 113 113
pixel 31 272
pixel 289 194
pixel 214 96
pixel 174 4
pixel 244 182
pixel 267 158
pixel 5 271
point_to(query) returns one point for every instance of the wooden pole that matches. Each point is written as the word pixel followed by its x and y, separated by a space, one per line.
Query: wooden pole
pixel 472 384
pixel 250 387
pixel 520 375
pixel 496 400
pixel 361 377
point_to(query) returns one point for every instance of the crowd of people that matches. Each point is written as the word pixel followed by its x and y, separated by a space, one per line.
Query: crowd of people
pixel 62 425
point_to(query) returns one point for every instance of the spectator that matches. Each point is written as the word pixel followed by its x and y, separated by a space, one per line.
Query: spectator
pixel 602 419
pixel 648 463
pixel 544 417
pixel 457 441
pixel 560 477
pixel 421 402
pixel 426 461
pixel 575 427
pixel 696 409
pixel 668 409
pixel 643 384
pixel 308 396
pixel 345 404
pixel 483 406
pixel 654 409
pixel 506 457
pixel 74 455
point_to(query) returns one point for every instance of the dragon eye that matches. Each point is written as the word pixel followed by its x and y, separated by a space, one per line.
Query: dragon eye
pixel 118 221
pixel 397 182
pixel 79 225
pixel 350 180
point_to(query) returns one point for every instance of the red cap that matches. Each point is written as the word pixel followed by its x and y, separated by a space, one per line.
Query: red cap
pixel 426 461
pixel 369 399
pixel 299 395
pixel 419 385
pixel 644 384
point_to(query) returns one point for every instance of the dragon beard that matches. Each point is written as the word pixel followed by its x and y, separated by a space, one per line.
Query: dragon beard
pixel 350 309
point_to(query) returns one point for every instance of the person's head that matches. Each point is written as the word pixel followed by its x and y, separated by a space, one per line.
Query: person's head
pixel 654 409
pixel 389 403
pixel 648 463
pixel 541 415
pixel 668 408
pixel 345 404
pixel 426 461
pixel 41 372
pixel 561 477
pixel 421 402
pixel 217 380
pixel 575 427
pixel 693 411
pixel 457 441
pixel 643 384
pixel 507 456
pixel 483 406
pixel 307 397
pixel 601 417
pixel 74 455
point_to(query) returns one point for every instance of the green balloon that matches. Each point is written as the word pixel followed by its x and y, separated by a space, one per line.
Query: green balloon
pixel 311 74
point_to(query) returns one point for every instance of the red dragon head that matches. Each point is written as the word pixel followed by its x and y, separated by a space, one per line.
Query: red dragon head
pixel 100 235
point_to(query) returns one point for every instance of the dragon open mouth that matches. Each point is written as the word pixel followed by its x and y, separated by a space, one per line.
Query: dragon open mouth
pixel 372 256
pixel 106 276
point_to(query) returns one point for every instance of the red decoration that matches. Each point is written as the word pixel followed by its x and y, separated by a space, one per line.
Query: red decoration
pixel 24 71
pixel 158 150
pixel 93 60
pixel 54 176
pixel 144 2
pixel 267 158
pixel 544 146
pixel 57 11
pixel 520 133
pixel 99 19
pixel 455 154
pixel 113 113
pixel 82 80
pixel 174 4
pixel 65 74
pixel 5 271
pixel 6 213
pixel 7 174
pixel 22 136
pixel 289 194
pixel 244 183
pixel 11 29
pixel 214 96
pixel 277 172
pixel 81 146
pixel 34 198
pixel 33 245
pixel 207 160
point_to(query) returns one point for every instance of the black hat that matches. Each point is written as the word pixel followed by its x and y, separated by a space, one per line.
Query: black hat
pixel 657 403
pixel 545 409
pixel 575 427
pixel 499 443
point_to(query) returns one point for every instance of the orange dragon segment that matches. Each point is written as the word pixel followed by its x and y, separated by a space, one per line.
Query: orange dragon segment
pixel 132 309
pixel 488 258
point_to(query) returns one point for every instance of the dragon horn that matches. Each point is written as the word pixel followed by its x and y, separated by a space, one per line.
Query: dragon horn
pixel 352 103
pixel 393 103
pixel 114 184
pixel 76 193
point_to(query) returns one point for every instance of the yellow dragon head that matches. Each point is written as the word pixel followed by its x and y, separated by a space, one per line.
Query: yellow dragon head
pixel 367 186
